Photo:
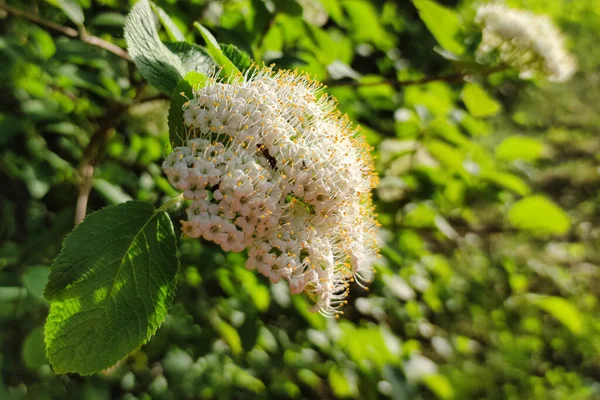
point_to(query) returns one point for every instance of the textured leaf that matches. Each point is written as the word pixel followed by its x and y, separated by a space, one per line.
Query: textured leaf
pixel 240 59
pixel 110 287
pixel 563 310
pixel 478 102
pixel 215 51
pixel 193 57
pixel 539 215
pixel 172 30
pixel 157 64
pixel 184 91
pixel 443 23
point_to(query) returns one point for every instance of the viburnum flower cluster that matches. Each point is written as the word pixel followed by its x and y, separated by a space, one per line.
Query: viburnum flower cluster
pixel 270 166
pixel 524 40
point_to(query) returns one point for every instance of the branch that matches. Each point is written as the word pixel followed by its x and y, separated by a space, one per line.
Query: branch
pixel 70 32
pixel 91 155
pixel 456 77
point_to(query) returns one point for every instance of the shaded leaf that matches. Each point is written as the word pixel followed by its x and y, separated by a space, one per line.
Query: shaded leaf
pixel 172 30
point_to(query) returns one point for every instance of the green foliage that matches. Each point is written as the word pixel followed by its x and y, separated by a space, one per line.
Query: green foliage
pixel 108 296
pixel 488 282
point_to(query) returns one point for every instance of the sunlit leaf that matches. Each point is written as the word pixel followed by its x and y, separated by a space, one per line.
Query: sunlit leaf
pixel 478 101
pixel 562 309
pixel 519 148
pixel 110 287
pixel 539 215
pixel 443 23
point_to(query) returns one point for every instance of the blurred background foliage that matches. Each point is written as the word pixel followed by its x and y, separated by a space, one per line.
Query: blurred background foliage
pixel 489 282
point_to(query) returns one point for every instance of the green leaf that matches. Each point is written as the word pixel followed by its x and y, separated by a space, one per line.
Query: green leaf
pixel 508 181
pixel 539 215
pixel 32 352
pixel 563 310
pixel 343 384
pixel 184 91
pixel 193 57
pixel 110 287
pixel 34 280
pixel 157 64
pixel 241 60
pixel 478 102
pixel 439 385
pixel 519 148
pixel 215 51
pixel 172 30
pixel 443 24
pixel 71 8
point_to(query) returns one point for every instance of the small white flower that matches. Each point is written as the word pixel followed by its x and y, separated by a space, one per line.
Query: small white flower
pixel 526 41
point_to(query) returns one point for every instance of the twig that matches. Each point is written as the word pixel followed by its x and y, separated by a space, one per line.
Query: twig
pixel 70 32
pixel 456 77
pixel 91 155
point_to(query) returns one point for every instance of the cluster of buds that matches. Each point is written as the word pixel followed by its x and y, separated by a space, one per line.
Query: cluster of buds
pixel 526 41
pixel 271 167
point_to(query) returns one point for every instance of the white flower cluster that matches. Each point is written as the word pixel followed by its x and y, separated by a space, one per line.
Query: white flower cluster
pixel 270 167
pixel 525 40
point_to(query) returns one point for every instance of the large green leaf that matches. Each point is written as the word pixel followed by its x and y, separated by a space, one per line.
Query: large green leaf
pixel 71 8
pixel 538 214
pixel 443 23
pixel 157 64
pixel 110 287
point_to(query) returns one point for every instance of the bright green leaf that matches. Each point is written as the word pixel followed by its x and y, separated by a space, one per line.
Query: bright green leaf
pixel 478 102
pixel 563 310
pixel 519 148
pixel 443 23
pixel 172 30
pixel 215 51
pixel 343 384
pixel 157 64
pixel 110 287
pixel 439 385
pixel 539 215
pixel 508 181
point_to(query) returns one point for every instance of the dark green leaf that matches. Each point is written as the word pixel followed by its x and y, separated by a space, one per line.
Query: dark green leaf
pixel 241 60
pixel 110 287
